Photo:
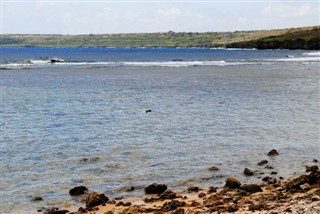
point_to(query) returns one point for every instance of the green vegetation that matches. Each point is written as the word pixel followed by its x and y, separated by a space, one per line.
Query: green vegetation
pixel 243 39
pixel 294 39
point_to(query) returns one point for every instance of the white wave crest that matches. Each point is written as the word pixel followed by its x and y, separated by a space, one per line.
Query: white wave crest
pixel 298 59
pixel 312 53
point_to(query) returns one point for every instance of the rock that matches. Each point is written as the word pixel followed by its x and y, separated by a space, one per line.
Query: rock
pixel 315 161
pixel 263 162
pixel 213 168
pixel 130 189
pixel 232 183
pixel 212 189
pixel 233 208
pixel 273 152
pixel 305 187
pixel 79 190
pixel 251 188
pixel 248 172
pixel 274 173
pixel 172 205
pixel 55 210
pixel 267 178
pixel 155 188
pixel 168 195
pixel 295 183
pixel 314 177
pixel 313 168
pixel 179 211
pixel 193 189
pixel 201 194
pixel 269 167
pixel 36 198
pixel 95 199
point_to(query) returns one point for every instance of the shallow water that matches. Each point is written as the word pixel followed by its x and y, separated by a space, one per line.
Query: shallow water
pixel 69 125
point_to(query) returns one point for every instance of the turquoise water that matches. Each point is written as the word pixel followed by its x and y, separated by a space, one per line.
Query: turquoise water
pixel 224 108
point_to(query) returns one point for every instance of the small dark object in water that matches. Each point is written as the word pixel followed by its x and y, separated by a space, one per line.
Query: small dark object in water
pixel 149 110
pixel 56 60
pixel 248 172
pixel 79 190
pixel 273 152
pixel 37 198
pixel 177 60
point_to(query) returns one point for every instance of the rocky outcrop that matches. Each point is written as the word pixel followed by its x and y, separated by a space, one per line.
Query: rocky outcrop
pixel 155 188
pixel 232 183
pixel 95 199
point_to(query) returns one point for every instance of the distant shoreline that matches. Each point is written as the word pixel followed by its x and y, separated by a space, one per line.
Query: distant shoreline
pixel 306 38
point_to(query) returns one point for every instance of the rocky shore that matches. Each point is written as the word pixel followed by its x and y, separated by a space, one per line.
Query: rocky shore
pixel 299 194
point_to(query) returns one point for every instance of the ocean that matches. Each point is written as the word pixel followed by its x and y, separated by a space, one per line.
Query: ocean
pixel 82 119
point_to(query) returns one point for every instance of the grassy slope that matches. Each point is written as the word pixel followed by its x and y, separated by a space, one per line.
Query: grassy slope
pixel 169 39
pixel 301 39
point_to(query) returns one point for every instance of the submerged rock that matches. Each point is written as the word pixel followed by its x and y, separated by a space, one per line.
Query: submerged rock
pixel 79 190
pixel 36 198
pixel 193 189
pixel 213 168
pixel 130 189
pixel 95 199
pixel 155 188
pixel 263 162
pixel 232 183
pixel 248 172
pixel 251 188
pixel 273 152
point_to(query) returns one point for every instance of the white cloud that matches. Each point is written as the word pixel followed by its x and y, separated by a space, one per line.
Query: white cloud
pixel 278 10
pixel 176 12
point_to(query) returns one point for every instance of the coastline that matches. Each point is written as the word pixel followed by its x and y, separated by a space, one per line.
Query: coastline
pixel 273 194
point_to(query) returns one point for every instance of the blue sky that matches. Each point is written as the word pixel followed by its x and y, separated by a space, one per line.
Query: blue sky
pixel 84 17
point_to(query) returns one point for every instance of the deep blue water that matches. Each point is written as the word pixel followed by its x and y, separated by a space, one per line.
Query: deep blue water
pixel 224 108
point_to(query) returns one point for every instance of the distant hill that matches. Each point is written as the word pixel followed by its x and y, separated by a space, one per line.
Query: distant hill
pixel 293 38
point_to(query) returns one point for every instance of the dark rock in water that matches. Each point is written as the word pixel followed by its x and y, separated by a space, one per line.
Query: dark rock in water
pixel 248 172
pixel 172 205
pixel 130 189
pixel 267 178
pixel 213 168
pixel 269 167
pixel 79 190
pixel 56 60
pixel 313 168
pixel 274 173
pixel 193 189
pixel 36 198
pixel 251 188
pixel 295 183
pixel 168 195
pixel 263 162
pixel 155 188
pixel 315 161
pixel 232 183
pixel 95 199
pixel 273 152
pixel 149 110
pixel 177 60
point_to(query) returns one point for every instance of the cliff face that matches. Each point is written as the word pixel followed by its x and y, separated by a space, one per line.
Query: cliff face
pixel 304 39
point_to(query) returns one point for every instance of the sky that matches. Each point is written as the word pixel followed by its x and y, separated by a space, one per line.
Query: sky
pixel 103 16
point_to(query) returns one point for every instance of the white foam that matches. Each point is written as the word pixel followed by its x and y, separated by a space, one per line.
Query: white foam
pixel 298 59
pixel 312 53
